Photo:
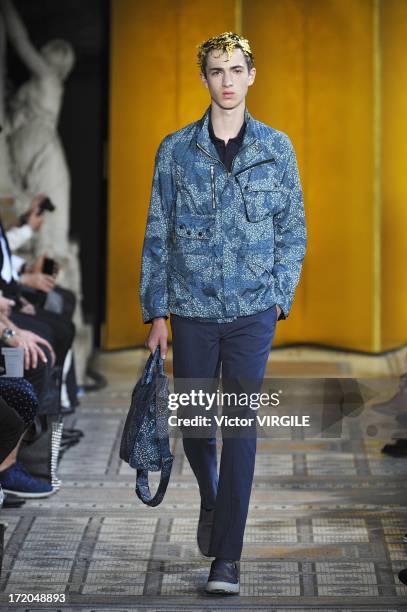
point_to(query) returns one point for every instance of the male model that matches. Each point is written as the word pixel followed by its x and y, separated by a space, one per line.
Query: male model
pixel 223 250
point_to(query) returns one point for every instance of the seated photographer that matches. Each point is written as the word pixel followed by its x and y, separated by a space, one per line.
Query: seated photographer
pixel 41 277
pixel 36 348
pixel 56 328
pixel 40 280
pixel 39 356
pixel 18 395
pixel 42 274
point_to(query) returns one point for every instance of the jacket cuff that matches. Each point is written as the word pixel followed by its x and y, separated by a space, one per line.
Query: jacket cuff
pixel 148 317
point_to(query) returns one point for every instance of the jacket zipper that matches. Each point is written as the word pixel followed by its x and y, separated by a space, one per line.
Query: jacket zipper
pixel 241 149
pixel 264 161
pixel 213 186
pixel 209 155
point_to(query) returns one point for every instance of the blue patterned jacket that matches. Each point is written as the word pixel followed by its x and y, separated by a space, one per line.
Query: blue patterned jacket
pixel 221 244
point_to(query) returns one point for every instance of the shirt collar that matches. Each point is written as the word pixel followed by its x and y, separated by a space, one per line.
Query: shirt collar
pixel 237 139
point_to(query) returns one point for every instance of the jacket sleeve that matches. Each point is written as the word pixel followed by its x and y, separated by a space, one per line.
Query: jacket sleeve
pixel 154 274
pixel 290 236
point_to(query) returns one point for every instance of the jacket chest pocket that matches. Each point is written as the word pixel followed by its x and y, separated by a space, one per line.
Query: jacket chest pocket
pixel 193 233
pixel 261 201
pixel 195 189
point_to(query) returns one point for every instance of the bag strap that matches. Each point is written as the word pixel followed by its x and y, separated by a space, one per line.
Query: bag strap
pixel 142 486
pixel 153 362
pixel 143 489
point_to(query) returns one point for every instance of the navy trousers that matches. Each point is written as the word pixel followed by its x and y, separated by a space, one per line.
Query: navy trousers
pixel 242 348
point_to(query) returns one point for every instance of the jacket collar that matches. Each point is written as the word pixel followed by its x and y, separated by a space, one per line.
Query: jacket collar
pixel 203 140
pixel 251 151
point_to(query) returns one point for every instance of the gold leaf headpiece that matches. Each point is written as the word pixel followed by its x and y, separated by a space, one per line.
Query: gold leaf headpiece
pixel 225 42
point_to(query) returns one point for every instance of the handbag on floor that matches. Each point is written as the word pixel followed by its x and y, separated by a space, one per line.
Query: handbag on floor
pixel 41 444
pixel 40 447
pixel 145 444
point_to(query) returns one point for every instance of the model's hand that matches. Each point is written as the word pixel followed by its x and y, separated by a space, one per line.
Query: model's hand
pixel 158 336
pixel 278 311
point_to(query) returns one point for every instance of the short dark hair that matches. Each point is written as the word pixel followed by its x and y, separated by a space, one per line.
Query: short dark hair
pixel 225 42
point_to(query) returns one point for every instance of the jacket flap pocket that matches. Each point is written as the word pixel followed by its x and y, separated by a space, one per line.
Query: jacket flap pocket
pixel 195 226
pixel 260 204
pixel 260 185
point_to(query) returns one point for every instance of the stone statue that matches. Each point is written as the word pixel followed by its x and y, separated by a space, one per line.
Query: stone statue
pixel 35 145
pixel 6 185
pixel 36 149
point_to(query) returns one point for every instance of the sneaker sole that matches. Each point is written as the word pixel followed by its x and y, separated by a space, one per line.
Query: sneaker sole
pixel 222 588
pixel 29 495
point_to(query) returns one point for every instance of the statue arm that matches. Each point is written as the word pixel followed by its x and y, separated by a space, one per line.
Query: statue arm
pixel 20 40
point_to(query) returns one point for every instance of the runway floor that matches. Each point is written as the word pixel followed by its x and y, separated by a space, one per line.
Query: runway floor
pixel 324 531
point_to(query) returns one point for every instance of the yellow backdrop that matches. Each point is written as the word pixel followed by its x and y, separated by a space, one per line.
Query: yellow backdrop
pixel 326 75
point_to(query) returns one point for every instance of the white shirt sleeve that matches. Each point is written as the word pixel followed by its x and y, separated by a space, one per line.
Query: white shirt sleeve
pixel 17 263
pixel 17 236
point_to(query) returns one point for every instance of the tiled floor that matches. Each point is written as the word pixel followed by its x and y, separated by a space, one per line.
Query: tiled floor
pixel 324 531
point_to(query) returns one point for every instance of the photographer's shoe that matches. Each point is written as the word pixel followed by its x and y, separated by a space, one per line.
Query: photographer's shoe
pixel 223 578
pixel 18 481
pixel 403 576
pixel 398 449
pixel 204 531
pixel 12 501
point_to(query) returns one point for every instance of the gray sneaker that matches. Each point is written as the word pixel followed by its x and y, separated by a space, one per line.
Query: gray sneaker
pixel 223 578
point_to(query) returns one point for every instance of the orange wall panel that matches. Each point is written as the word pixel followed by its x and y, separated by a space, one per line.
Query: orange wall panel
pixel 394 176
pixel 142 111
pixel 316 81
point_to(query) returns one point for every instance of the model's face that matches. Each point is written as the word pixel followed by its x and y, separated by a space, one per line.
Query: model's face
pixel 228 79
